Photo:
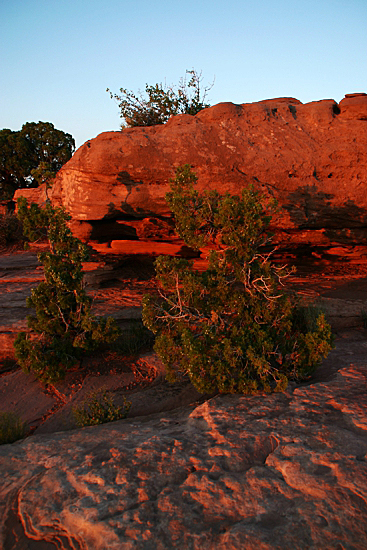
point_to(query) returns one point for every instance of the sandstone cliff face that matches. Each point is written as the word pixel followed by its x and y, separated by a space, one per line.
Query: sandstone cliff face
pixel 311 157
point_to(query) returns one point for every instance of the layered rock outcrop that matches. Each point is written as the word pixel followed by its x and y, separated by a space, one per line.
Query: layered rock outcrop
pixel 311 157
pixel 283 471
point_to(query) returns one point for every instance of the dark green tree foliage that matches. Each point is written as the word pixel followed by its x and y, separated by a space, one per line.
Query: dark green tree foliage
pixel 63 328
pixel 162 101
pixel 32 156
pixel 231 328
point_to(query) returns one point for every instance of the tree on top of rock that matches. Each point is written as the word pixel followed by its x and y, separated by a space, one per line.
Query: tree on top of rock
pixel 162 101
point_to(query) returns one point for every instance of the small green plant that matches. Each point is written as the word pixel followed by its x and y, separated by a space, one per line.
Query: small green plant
pixel 305 316
pixel 11 230
pixel 11 428
pixel 162 101
pixel 63 327
pixel 7 364
pixel 99 408
pixel 364 318
pixel 134 340
pixel 231 327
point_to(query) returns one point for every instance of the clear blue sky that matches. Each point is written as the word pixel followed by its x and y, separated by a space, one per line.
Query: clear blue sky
pixel 57 57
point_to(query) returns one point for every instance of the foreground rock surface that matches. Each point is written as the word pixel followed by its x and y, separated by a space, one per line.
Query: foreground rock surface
pixel 280 471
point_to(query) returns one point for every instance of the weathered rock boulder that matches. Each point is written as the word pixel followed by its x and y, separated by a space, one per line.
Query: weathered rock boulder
pixel 354 106
pixel 281 471
pixel 311 157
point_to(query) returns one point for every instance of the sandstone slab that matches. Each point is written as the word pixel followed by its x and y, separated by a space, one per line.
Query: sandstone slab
pixel 281 471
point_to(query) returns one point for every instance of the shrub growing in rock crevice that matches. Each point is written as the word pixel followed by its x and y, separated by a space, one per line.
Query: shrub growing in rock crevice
pixel 99 408
pixel 231 327
pixel 63 327
pixel 11 231
pixel 162 101
pixel 11 428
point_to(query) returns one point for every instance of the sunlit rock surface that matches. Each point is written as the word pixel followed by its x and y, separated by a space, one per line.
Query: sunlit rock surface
pixel 311 157
pixel 280 471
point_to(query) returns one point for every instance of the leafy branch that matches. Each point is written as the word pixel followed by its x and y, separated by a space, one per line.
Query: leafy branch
pixel 161 101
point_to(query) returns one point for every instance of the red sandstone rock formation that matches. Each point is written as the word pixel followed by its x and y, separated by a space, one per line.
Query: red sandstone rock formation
pixel 311 157
pixel 354 106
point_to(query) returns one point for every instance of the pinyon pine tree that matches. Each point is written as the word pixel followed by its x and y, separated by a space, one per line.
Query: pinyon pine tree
pixel 63 327
pixel 231 327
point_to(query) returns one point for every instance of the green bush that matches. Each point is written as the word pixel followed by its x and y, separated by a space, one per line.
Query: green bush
pixel 162 101
pixel 11 230
pixel 63 327
pixel 99 408
pixel 11 428
pixel 134 340
pixel 7 364
pixel 305 316
pixel 231 328
pixel 364 318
